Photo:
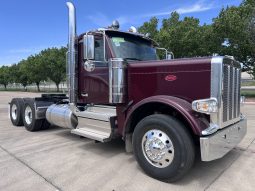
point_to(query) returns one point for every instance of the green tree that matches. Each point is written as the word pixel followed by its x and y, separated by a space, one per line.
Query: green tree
pixel 150 27
pixel 232 34
pixel 13 73
pixel 4 76
pixel 54 60
pixel 184 37
pixel 23 76
pixel 35 68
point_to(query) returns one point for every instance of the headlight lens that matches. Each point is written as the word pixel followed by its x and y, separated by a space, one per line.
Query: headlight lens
pixel 205 105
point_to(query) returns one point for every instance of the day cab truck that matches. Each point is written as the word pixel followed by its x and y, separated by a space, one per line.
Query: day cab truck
pixel 162 109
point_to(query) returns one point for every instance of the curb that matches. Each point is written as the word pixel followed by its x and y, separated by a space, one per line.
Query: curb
pixel 251 103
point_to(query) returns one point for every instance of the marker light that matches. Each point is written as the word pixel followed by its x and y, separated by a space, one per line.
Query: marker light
pixel 205 105
pixel 132 29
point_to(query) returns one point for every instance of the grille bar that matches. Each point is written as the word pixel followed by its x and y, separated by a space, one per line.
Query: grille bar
pixel 235 92
pixel 238 92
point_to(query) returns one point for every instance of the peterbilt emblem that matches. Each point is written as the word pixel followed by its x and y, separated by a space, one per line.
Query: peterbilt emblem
pixel 170 78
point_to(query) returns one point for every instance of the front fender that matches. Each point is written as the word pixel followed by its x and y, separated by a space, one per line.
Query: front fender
pixel 180 105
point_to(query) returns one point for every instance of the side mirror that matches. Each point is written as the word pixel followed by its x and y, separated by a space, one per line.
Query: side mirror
pixel 169 57
pixel 89 47
pixel 166 55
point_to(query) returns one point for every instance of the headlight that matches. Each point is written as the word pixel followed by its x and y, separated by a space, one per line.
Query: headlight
pixel 205 105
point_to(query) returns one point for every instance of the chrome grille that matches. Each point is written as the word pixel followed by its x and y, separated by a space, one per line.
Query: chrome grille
pixel 231 93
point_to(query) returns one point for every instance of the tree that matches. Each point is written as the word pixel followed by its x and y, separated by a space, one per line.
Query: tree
pixel 232 29
pixel 185 38
pixel 35 68
pixel 23 76
pixel 150 27
pixel 54 60
pixel 231 33
pixel 13 73
pixel 4 76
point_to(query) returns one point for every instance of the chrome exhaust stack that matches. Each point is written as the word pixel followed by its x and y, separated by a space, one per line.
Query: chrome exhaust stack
pixel 71 56
pixel 62 115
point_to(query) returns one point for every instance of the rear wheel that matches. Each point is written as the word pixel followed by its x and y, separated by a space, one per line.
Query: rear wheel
pixel 29 120
pixel 16 109
pixel 163 148
pixel 45 125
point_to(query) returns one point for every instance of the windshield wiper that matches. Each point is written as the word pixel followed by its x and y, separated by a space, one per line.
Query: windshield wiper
pixel 133 59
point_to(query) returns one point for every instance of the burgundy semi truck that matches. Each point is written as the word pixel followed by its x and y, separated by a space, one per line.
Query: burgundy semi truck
pixel 162 109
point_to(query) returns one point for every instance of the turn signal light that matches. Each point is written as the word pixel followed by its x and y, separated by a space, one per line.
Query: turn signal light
pixel 205 105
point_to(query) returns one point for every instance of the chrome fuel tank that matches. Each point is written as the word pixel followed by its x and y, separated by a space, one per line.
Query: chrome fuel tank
pixel 61 115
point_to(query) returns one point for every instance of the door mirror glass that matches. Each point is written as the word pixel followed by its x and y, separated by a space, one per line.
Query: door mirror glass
pixel 169 56
pixel 89 47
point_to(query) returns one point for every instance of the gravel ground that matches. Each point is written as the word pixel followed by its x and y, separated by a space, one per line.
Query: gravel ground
pixel 57 160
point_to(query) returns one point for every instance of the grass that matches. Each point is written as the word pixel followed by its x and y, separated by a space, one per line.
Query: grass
pixel 29 90
pixel 248 93
pixel 248 83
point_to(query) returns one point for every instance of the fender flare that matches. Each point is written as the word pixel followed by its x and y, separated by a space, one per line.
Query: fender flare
pixel 180 105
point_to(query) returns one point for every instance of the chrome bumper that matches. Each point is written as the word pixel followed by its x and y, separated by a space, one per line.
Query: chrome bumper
pixel 220 143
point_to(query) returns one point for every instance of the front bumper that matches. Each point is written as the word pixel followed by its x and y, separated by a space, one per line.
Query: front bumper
pixel 220 143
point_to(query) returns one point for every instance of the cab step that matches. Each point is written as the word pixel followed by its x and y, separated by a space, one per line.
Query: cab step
pixel 96 123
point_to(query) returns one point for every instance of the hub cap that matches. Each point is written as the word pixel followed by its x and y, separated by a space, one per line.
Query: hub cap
pixel 14 112
pixel 28 115
pixel 158 148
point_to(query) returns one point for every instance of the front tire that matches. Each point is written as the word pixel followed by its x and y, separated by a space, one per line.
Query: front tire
pixel 163 147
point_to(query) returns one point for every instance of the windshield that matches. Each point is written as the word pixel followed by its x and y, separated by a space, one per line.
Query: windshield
pixel 132 48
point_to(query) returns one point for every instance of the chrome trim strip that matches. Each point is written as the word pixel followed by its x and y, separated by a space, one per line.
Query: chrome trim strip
pixel 219 144
pixel 117 80
pixel 211 129
pixel 234 92
pixel 238 89
pixel 216 87
pixel 228 92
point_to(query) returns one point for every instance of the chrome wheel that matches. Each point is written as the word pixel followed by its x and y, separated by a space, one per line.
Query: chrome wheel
pixel 28 115
pixel 14 112
pixel 158 148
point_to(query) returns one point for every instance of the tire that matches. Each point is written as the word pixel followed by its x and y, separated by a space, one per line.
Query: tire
pixel 16 111
pixel 45 125
pixel 163 147
pixel 30 123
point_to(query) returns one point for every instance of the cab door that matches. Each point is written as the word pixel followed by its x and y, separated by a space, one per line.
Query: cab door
pixel 93 85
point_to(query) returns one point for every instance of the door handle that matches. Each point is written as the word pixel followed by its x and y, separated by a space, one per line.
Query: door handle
pixel 85 95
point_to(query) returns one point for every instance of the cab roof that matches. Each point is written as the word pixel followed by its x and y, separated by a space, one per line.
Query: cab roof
pixel 109 30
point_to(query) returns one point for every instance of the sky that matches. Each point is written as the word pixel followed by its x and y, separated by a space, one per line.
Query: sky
pixel 29 26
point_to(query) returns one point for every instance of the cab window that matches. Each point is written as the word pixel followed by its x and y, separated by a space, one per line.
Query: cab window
pixel 99 49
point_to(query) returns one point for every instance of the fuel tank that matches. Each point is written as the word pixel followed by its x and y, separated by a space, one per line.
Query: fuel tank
pixel 62 116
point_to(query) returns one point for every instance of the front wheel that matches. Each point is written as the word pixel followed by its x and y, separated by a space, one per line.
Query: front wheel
pixel 163 147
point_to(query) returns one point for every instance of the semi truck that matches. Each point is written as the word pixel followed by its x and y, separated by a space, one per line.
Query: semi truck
pixel 165 110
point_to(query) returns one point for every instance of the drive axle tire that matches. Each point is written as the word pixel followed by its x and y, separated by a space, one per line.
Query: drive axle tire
pixel 16 110
pixel 45 125
pixel 30 123
pixel 163 147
